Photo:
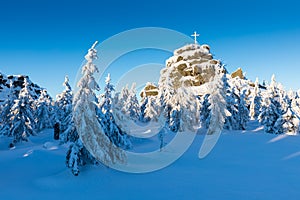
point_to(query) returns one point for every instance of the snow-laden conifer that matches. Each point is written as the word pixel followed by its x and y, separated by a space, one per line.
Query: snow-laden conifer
pixel 22 116
pixel 43 112
pixel 85 118
pixel 106 118
pixel 255 101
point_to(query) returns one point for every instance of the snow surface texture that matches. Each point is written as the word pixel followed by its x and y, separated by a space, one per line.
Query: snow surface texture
pixel 243 165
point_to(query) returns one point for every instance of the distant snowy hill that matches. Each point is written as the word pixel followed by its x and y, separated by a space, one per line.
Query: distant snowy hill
pixel 12 84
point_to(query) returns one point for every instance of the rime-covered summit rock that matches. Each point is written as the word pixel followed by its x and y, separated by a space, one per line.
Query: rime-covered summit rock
pixel 191 65
pixel 11 85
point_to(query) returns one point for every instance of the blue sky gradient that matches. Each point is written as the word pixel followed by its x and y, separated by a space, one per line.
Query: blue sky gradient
pixel 48 39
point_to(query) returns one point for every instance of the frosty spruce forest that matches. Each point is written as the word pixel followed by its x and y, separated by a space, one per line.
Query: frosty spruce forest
pixel 83 142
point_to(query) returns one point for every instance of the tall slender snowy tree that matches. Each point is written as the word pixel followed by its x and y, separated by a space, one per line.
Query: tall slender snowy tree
pixel 65 114
pixel 217 100
pixel 255 101
pixel 91 132
pixel 111 129
pixel 132 107
pixel 231 122
pixel 152 111
pixel 243 112
pixel 43 112
pixel 83 102
pixel 166 92
pixel 205 111
pixel 144 103
pixel 270 110
pixel 64 101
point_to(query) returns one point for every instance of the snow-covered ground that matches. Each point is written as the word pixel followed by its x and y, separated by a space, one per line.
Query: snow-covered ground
pixel 243 165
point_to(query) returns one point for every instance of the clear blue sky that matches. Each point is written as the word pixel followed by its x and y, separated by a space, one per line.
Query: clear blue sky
pixel 48 39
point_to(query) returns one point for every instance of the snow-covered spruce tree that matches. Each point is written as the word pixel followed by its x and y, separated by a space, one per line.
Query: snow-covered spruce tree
pixel 291 95
pixel 270 110
pixel 22 116
pixel 106 118
pixel 295 103
pixel 85 119
pixel 68 129
pixel 231 122
pixel 169 100
pixel 6 113
pixel 272 88
pixel 144 102
pixel 166 92
pixel 243 112
pixel 205 111
pixel 120 101
pixel 43 112
pixel 189 106
pixel 132 107
pixel 217 101
pixel 65 115
pixel 175 118
pixel 284 100
pixel 255 101
pixel 152 111
pixel 269 114
pixel 287 123
pixel 77 155
pixel 187 116
pixel 64 101
pixel 120 114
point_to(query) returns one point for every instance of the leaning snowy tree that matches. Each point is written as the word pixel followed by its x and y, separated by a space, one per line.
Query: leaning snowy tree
pixel 22 116
pixel 106 118
pixel 91 133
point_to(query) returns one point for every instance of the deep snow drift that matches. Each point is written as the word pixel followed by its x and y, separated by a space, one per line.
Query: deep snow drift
pixel 243 165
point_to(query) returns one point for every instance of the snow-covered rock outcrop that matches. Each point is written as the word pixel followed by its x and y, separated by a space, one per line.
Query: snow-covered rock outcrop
pixel 191 65
pixel 11 85
pixel 151 89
